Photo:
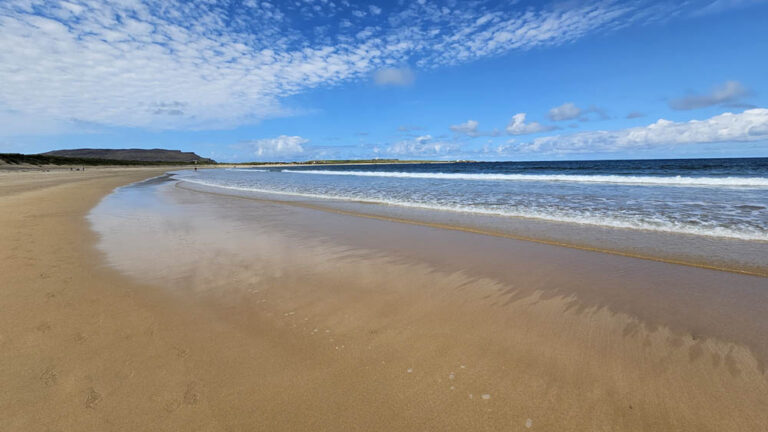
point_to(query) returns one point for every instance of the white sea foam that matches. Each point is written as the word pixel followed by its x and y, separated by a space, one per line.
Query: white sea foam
pixel 741 182
pixel 637 223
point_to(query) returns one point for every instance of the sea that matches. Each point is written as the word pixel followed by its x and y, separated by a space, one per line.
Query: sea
pixel 718 198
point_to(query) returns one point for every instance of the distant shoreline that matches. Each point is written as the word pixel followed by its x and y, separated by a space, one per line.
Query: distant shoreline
pixel 50 161
pixel 44 162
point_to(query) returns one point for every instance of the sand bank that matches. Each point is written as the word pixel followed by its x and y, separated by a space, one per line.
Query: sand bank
pixel 224 314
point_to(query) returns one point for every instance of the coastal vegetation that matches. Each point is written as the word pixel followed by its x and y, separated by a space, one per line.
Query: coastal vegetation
pixel 344 161
pixel 41 159
pixel 96 157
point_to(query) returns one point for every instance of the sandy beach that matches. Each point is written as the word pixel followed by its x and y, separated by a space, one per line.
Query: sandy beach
pixel 206 312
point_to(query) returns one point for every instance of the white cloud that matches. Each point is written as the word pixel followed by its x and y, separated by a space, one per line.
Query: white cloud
pixel 421 147
pixel 18 123
pixel 394 76
pixel 198 64
pixel 750 125
pixel 518 126
pixel 569 111
pixel 566 111
pixel 470 128
pixel 728 92
pixel 281 146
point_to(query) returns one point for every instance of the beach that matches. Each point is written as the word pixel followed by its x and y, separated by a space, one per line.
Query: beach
pixel 162 306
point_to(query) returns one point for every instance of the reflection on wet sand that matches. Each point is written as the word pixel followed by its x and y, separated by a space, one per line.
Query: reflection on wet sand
pixel 423 327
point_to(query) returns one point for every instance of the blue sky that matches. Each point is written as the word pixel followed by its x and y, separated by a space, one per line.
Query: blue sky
pixel 311 79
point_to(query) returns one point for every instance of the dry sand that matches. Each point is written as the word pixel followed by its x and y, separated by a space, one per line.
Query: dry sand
pixel 339 340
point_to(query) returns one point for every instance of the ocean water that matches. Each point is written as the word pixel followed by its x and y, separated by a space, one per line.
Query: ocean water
pixel 724 198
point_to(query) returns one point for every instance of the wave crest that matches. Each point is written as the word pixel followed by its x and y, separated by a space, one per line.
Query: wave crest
pixel 554 216
pixel 676 181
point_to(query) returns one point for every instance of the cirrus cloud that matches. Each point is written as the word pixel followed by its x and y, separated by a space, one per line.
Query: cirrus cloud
pixel 199 64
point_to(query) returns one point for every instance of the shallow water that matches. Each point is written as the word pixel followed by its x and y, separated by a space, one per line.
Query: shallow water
pixel 395 308
pixel 195 242
pixel 725 198
pixel 732 254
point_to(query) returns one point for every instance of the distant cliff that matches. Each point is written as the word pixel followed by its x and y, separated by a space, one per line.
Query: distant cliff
pixel 140 155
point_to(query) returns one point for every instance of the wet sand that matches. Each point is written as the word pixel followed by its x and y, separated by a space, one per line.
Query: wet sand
pixel 728 254
pixel 195 312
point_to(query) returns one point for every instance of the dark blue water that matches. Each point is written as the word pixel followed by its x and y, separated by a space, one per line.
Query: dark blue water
pixel 741 167
pixel 705 197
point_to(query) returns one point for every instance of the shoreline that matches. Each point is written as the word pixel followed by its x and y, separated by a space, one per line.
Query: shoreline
pixel 579 274
pixel 493 225
pixel 300 319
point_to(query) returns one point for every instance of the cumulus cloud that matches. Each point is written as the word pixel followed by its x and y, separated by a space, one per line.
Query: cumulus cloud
pixel 281 146
pixel 470 128
pixel 518 126
pixel 730 92
pixel 394 76
pixel 750 125
pixel 634 115
pixel 197 64
pixel 467 128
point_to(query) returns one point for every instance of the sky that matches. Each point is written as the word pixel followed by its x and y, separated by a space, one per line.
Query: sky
pixel 251 80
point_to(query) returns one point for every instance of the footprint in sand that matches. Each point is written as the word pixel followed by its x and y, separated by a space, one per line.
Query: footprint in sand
pixel 172 405
pixel 93 398
pixel 49 376
pixel 181 352
pixel 191 396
